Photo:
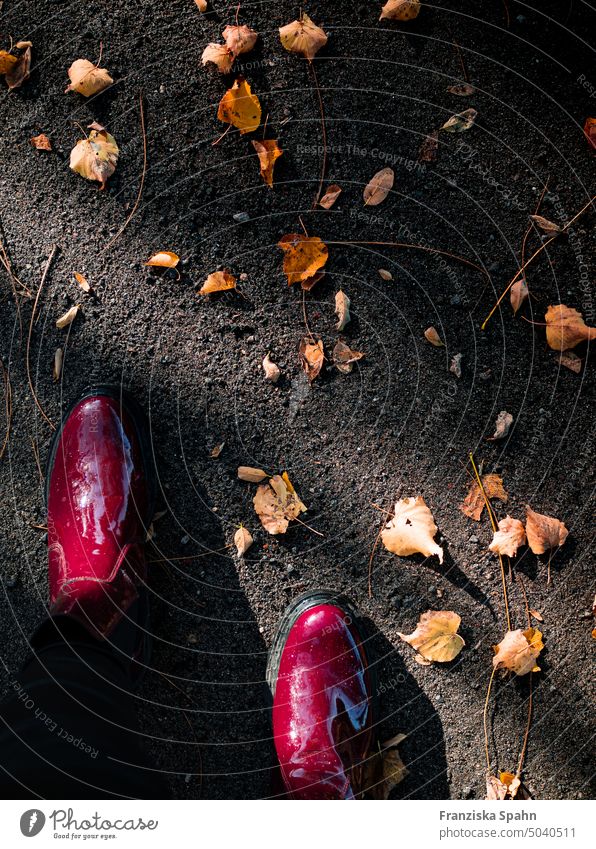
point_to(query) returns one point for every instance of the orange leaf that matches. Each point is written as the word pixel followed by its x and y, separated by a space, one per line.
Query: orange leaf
pixel 16 75
pixel 473 504
pixel 304 257
pixel 312 357
pixel 565 328
pixel 519 293
pixel 7 61
pixel 82 281
pixel 433 337
pixel 400 10
pixel 590 131
pixel 219 281
pixel 268 151
pixel 240 107
pixel 41 142
pixel 544 532
pixel 163 259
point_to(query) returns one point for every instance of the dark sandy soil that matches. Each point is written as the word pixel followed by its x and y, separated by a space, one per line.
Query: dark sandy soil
pixel 400 424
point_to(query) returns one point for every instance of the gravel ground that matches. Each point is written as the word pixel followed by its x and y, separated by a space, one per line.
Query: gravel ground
pixel 400 424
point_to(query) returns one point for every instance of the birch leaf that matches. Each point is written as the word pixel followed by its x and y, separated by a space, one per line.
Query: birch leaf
pixel 240 107
pixel 379 187
pixel 544 532
pixel 510 536
pixel 87 79
pixel 96 157
pixel 436 637
pixel 566 328
pixel 518 650
pixel 411 530
pixel 269 152
pixel 400 10
pixel 303 36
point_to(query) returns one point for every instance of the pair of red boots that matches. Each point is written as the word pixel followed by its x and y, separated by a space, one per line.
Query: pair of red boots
pixel 100 494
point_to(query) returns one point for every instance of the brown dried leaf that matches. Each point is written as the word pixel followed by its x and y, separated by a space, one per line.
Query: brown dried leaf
pixel 268 151
pixel 570 360
pixel 68 317
pixel 218 55
pixel 330 196
pixel 460 122
pixel 312 357
pixel 344 357
pixel 18 73
pixel 535 614
pixel 87 79
pixel 411 530
pixel 518 651
pixel 545 225
pixel 502 426
pixel 342 309
pixel 509 537
pixel 7 61
pixel 429 149
pixel 57 370
pixel 303 257
pixel 240 107
pixel 163 259
pixel 272 371
pixel 379 187
pixel 400 10
pixel 461 89
pixel 303 36
pixel 519 293
pixel 436 637
pixel 250 474
pixel 384 274
pixel 218 281
pixel 565 328
pixel 544 532
pixel 276 504
pixel 201 5
pixel 433 337
pixel 242 540
pixel 473 504
pixel 495 789
pixel 41 142
pixel 96 157
pixel 216 450
pixel 82 281
pixel 239 39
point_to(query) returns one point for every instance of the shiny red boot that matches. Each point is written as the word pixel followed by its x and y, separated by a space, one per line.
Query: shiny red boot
pixel 322 698
pixel 99 496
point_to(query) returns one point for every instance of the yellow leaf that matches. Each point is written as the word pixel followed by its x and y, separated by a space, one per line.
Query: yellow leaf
pixel 68 317
pixel 243 541
pixel 250 474
pixel 304 257
pixel 473 504
pixel 41 142
pixel 18 72
pixel 312 357
pixel 240 107
pixel 518 650
pixel 95 157
pixel 268 151
pixel 400 10
pixel 566 328
pixel 219 55
pixel 509 537
pixel 87 79
pixel 7 61
pixel 163 259
pixel 433 337
pixel 303 36
pixel 219 281
pixel 544 532
pixel 239 39
pixel 436 637
pixel 379 187
pixel 276 504
pixel 411 530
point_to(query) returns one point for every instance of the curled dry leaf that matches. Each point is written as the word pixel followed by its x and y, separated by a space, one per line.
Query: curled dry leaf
pixel 82 281
pixel 518 650
pixel 460 122
pixel 269 152
pixel 242 540
pixel 473 504
pixel 400 10
pixel 429 148
pixel 57 369
pixel 7 61
pixel 384 770
pixel 342 309
pixel 344 357
pixel 41 142
pixel 507 786
pixel 201 5
pixel 304 256
pixel 303 36
pixel 312 357
pixel 96 157
pixel 218 281
pixel 250 474
pixel 411 530
pixel 163 259
pixel 502 426
pixel 461 89
pixel 18 72
pixel 590 131
pixel 239 39
pixel 379 187
pixel 218 55
pixel 548 227
pixel 272 371
pixel 495 789
pixel 433 337
pixel 384 274
pixel 518 294
pixel 566 328
pixel 509 537
pixel 571 361
pixel 436 637
pixel 240 107
pixel 87 79
pixel 330 196
pixel 544 532
pixel 216 450
pixel 277 504
pixel 68 317
pixel 455 365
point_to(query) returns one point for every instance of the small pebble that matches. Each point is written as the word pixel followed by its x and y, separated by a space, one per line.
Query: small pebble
pixel 241 217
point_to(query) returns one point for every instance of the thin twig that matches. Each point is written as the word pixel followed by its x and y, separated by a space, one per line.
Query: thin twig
pixel 46 269
pixel 372 553
pixel 324 134
pixel 7 407
pixel 305 315
pixel 527 733
pixel 490 684
pixel 530 227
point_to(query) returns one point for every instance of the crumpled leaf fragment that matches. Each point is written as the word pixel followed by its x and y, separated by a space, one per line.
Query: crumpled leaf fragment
pixel 272 371
pixel 379 187
pixel 510 536
pixel 242 540
pixel 250 474
pixel 41 142
pixel 461 89
pixel 239 39
pixel 82 281
pixel 96 157
pixel 455 365
pixel 544 532
pixel 566 328
pixel 460 122
pixel 68 317
pixel 411 530
pixel 518 294
pixel 548 227
pixel 87 79
pixel 429 148
pixel 330 196
pixel 400 10
pixel 268 152
pixel 312 357
pixel 433 337
pixel 163 259
pixel 473 504
pixel 303 36
pixel 518 650
pixel 220 56
pixel 384 770
pixel 590 131
pixel 570 360
pixel 218 281
pixel 342 309
pixel 435 636
pixel 18 72
pixel 304 256
pixel 277 504
pixel 216 450
pixel 344 357
pixel 240 107
pixel 502 426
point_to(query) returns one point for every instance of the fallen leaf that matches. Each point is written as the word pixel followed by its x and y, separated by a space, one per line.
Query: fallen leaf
pixel 460 122
pixel 379 187
pixel 240 107
pixel 57 370
pixel 344 358
pixel 473 504
pixel 277 504
pixel 82 281
pixel 411 530
pixel 565 328
pixel 216 450
pixel 163 259
pixel 220 56
pixel 455 365
pixel 509 537
pixel 570 360
pixel 272 371
pixel 342 310
pixel 590 131
pixel 41 142
pixel 268 151
pixel 429 148
pixel 330 196
pixel 384 274
pixel 303 36
pixel 461 89
pixel 545 225
pixel 218 281
pixel 87 79
pixel 502 426
pixel 544 532
pixel 68 317
pixel 537 615
pixel 96 157
pixel 433 337
pixel 304 256
pixel 384 770
pixel 400 10
pixel 519 293
pixel 518 651
pixel 201 5
pixel 495 789
pixel 7 61
pixel 436 637
pixel 18 73
pixel 242 540
pixel 312 357
pixel 250 474
pixel 422 661
pixel 239 39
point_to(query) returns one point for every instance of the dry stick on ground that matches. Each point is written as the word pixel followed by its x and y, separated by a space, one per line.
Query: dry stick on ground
pixel 143 175
pixel 484 719
pixel 521 270
pixel 7 407
pixel 524 748
pixel 530 226
pixel 323 131
pixel 46 269
pixel 374 548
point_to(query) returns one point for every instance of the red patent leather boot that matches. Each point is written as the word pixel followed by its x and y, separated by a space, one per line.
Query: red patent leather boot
pixel 322 698
pixel 99 496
